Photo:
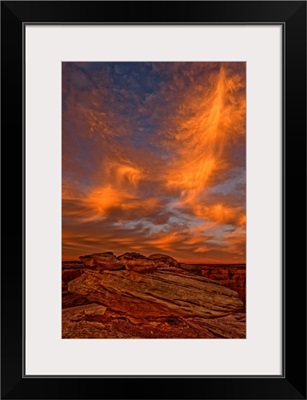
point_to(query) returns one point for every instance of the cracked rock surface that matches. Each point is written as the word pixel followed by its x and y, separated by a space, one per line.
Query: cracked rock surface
pixel 150 297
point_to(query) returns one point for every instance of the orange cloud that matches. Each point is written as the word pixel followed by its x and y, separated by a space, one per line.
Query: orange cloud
pixel 153 159
pixel 221 214
pixel 210 120
pixel 126 173
pixel 103 199
pixel 166 242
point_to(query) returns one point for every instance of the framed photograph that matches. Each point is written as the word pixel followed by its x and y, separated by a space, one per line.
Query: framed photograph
pixel 159 200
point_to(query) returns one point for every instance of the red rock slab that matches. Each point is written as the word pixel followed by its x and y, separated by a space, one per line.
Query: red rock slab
pixel 118 325
pixel 75 313
pixel 102 261
pixel 233 277
pixel 146 294
pixel 138 263
pixel 164 261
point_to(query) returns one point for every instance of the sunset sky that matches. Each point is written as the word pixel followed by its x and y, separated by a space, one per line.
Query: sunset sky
pixel 153 159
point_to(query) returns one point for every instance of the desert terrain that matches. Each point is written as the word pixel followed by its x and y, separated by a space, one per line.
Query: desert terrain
pixel 134 296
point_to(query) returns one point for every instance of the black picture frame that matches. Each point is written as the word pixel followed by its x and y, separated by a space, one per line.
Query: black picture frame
pixel 292 16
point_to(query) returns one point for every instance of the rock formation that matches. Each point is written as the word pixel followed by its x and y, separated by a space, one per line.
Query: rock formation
pixel 231 276
pixel 101 261
pixel 163 261
pixel 137 262
pixel 135 296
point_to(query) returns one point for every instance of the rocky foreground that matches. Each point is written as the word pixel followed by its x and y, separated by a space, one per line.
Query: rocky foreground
pixel 133 296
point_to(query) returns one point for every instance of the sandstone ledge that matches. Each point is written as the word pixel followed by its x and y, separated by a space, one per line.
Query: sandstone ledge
pixel 134 296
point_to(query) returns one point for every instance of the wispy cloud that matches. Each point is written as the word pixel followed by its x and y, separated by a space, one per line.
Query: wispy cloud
pixel 154 159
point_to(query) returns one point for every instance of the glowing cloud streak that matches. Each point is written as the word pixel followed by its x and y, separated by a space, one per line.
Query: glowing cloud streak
pixel 152 155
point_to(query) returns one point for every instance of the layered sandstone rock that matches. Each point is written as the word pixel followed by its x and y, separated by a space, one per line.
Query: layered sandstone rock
pixel 102 261
pixel 137 262
pixel 232 276
pixel 133 296
pixel 163 261
pixel 71 271
pixel 119 325
pixel 77 313
pixel 141 294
